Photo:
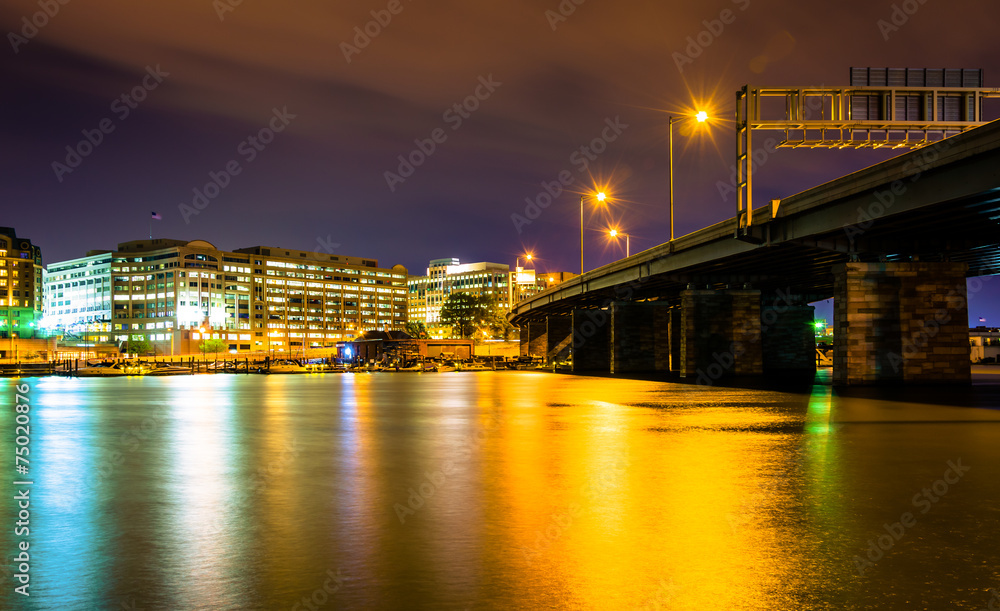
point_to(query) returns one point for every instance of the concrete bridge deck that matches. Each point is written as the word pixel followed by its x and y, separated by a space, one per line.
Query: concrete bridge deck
pixel 940 202
pixel 936 205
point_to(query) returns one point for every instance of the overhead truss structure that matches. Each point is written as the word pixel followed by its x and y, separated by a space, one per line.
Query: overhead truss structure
pixel 903 115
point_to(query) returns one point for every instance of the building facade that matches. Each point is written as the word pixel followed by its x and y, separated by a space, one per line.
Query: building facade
pixel 174 294
pixel 985 344
pixel 448 276
pixel 20 287
pixel 78 301
pixel 526 282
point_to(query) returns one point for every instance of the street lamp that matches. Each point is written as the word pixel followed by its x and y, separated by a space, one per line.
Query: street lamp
pixel 600 197
pixel 615 233
pixel 514 285
pixel 700 117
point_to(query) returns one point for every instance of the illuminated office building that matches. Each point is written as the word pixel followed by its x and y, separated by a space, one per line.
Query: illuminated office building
pixel 448 276
pixel 20 288
pixel 176 293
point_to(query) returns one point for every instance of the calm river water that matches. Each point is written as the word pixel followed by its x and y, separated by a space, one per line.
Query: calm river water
pixel 497 490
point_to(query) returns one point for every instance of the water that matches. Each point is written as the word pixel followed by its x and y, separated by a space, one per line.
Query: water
pixel 496 490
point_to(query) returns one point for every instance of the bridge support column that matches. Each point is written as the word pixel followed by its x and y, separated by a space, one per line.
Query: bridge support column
pixel 558 338
pixel 900 322
pixel 533 339
pixel 591 335
pixel 720 334
pixel 788 337
pixel 675 332
pixel 640 336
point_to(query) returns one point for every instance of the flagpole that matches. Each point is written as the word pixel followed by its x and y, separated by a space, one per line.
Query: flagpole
pixel 153 216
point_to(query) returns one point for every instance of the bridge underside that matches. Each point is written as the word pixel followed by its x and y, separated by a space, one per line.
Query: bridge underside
pixel 936 208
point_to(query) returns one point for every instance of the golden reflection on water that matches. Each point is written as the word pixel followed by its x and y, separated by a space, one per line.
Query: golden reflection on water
pixel 492 490
pixel 201 490
pixel 614 506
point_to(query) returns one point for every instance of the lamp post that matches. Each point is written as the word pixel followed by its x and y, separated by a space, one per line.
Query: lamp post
pixel 701 117
pixel 600 197
pixel 514 288
pixel 615 233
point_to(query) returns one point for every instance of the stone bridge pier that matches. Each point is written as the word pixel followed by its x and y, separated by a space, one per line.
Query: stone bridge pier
pixel 558 338
pixel 590 341
pixel 893 322
pixel 534 339
pixel 901 322
pixel 720 334
pixel 640 336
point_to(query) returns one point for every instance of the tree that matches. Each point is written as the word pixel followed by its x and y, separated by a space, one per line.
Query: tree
pixel 213 345
pixel 465 313
pixel 500 327
pixel 416 330
pixel 137 344
pixel 494 323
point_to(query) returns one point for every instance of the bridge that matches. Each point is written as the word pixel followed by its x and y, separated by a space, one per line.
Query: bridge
pixel 893 245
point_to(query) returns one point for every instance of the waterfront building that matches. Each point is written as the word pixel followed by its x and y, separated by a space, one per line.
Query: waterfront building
pixel 448 276
pixel 525 282
pixel 985 344
pixel 78 303
pixel 397 347
pixel 175 294
pixel 20 293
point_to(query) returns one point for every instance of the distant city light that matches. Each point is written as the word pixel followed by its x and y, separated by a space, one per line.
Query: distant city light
pixel 702 116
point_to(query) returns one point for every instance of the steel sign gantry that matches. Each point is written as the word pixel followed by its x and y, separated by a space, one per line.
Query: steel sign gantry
pixel 859 116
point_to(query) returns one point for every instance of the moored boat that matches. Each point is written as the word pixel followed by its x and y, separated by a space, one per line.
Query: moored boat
pixel 446 366
pixel 168 369
pixel 112 370
pixel 473 366
pixel 286 366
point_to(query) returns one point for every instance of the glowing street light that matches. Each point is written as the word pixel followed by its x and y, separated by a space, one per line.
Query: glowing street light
pixel 615 233
pixel 600 197
pixel 517 260
pixel 701 116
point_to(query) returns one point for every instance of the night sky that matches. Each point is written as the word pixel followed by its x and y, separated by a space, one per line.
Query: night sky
pixel 545 78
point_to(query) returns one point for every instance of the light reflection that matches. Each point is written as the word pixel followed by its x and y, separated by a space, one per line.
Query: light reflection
pixel 355 477
pixel 821 457
pixel 596 523
pixel 818 410
pixel 568 492
pixel 278 496
pixel 70 481
pixel 200 524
